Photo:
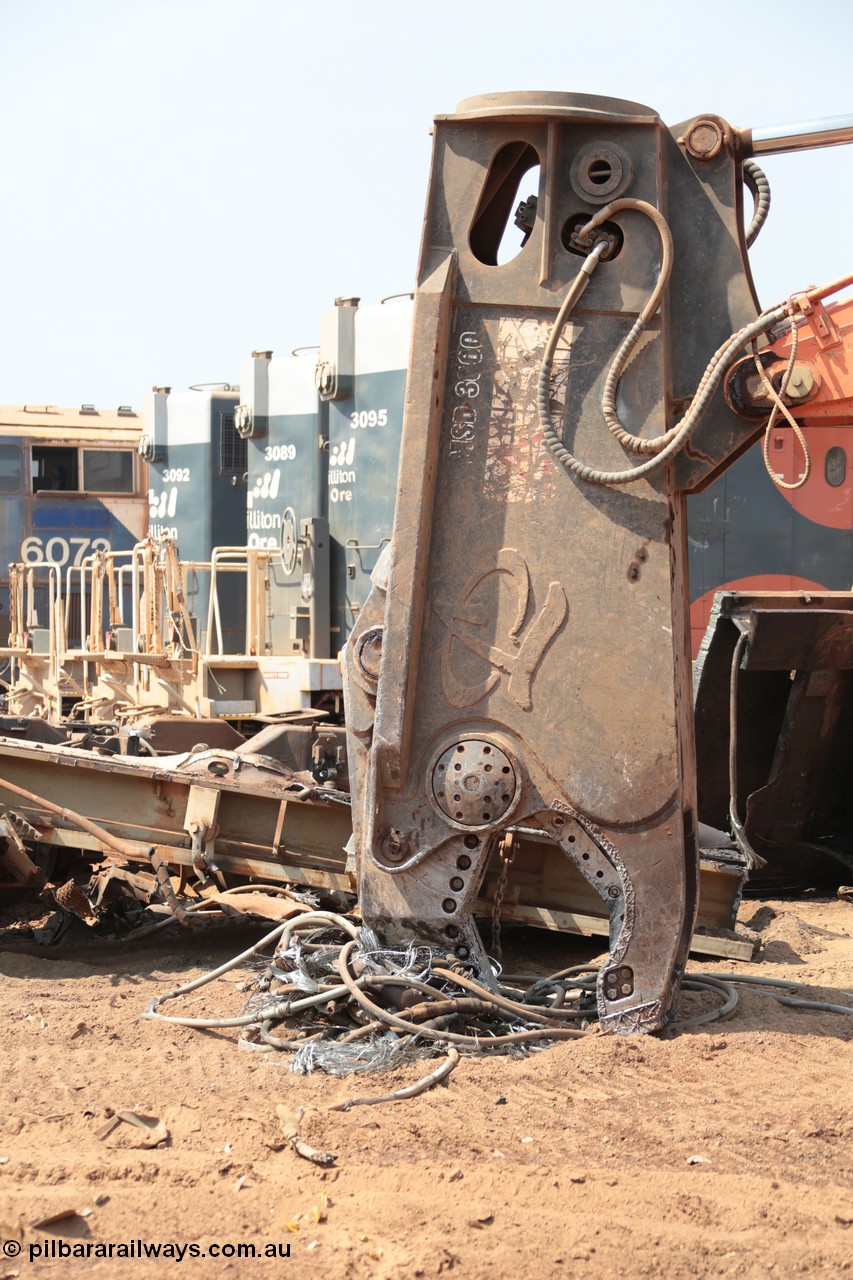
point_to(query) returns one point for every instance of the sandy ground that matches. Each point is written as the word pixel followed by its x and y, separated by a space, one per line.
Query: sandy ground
pixel 726 1150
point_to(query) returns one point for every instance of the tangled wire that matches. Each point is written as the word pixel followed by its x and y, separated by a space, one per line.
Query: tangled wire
pixel 338 1001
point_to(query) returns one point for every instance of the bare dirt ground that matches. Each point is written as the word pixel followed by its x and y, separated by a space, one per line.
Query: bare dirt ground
pixel 724 1150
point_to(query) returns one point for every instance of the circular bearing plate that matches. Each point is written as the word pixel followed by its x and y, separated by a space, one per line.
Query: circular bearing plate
pixel 474 783
pixel 704 139
pixel 368 652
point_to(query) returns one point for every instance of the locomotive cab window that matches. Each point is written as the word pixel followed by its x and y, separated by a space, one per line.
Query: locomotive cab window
pixel 10 468
pixel 108 470
pixel 55 469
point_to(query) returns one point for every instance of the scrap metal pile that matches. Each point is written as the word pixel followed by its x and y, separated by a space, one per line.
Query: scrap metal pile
pixel 339 1001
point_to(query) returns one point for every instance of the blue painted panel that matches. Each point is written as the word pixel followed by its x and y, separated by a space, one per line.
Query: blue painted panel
pixel 285 468
pixel 364 458
pixel 66 517
pixel 194 501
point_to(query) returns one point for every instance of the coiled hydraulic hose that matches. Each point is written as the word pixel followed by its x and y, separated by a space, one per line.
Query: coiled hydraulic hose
pixel 663 447
pixel 679 435
pixel 614 376
pixel 756 181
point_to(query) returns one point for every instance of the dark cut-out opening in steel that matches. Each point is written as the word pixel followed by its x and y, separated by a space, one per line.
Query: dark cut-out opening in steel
pixel 503 189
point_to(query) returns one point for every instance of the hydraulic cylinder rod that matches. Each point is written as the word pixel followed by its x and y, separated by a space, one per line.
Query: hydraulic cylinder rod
pixel 828 131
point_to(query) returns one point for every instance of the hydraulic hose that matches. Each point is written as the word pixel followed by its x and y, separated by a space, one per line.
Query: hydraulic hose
pixel 661 447
pixel 779 406
pixel 679 435
pixel 756 180
pixel 738 830
pixel 664 447
pixel 608 399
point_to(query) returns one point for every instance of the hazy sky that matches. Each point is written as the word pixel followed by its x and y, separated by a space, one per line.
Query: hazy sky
pixel 186 180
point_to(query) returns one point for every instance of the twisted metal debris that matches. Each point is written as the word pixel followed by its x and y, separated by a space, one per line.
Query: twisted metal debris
pixel 338 1001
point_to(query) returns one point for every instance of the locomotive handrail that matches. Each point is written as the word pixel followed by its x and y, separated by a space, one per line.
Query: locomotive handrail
pixel 366 546
pixel 153 577
pixel 54 627
pixel 218 564
pixel 87 564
